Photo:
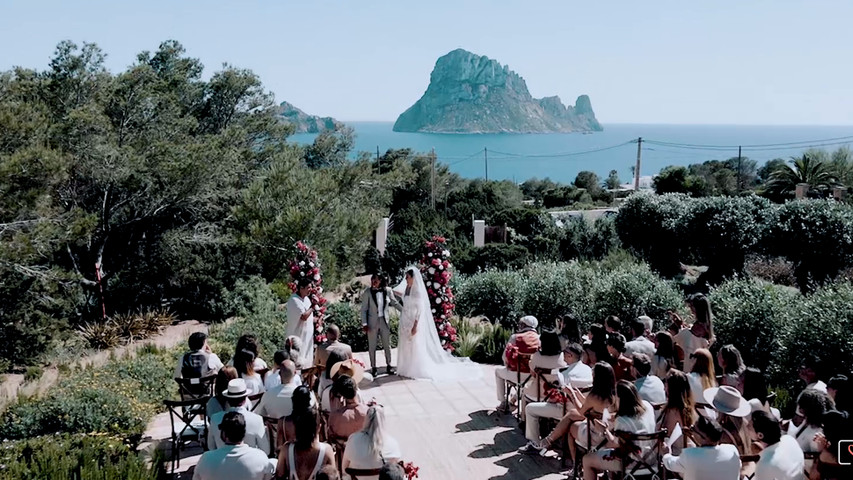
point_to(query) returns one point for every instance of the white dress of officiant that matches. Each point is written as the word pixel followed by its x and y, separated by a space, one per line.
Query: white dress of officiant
pixel 300 322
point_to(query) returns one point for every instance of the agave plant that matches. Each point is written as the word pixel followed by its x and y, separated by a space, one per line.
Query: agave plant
pixel 130 326
pixel 101 335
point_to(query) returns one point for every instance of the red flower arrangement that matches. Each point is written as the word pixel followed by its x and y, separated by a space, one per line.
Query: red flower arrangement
pixel 410 470
pixel 307 265
pixel 436 272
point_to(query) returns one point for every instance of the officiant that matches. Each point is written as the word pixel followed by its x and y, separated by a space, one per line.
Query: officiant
pixel 300 321
pixel 375 303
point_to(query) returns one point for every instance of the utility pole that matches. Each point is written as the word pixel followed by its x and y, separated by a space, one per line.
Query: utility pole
pixel 637 168
pixel 486 159
pixel 738 167
pixel 432 178
pixel 378 167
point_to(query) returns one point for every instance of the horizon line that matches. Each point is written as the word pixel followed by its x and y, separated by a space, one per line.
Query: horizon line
pixel 671 124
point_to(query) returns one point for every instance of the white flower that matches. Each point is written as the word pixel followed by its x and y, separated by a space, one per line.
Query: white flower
pixel 311 264
pixel 317 277
pixel 429 254
pixel 433 310
pixel 446 253
pixel 443 317
pixel 319 289
pixel 436 285
pixel 302 263
pixel 437 300
pixel 431 270
pixel 442 326
pixel 302 274
pixel 441 267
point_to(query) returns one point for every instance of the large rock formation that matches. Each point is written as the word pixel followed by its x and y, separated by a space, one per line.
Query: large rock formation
pixel 303 122
pixel 470 93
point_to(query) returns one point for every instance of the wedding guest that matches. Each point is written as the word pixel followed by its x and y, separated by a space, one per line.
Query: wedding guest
pixel 680 408
pixel 612 324
pixel 621 364
pixel 307 455
pixel 244 362
pixel 293 347
pixel 372 446
pixel 701 334
pixel 548 358
pixel 810 372
pixel 329 472
pixel 596 345
pixel 836 428
pixel 575 373
pixel 273 379
pixel 325 381
pixel 349 417
pixel 754 388
pixel 709 460
pixel 250 343
pixel 234 459
pixel 278 402
pixel 570 330
pixel 333 335
pixel 664 358
pixel 633 416
pixel 812 404
pixel 781 457
pixel 702 375
pixel 649 323
pixel 731 364
pixel 650 387
pixel 303 401
pixel 639 343
pixel 331 399
pixel 732 410
pixel 840 390
pixel 256 431
pixel 199 362
pixel 218 403
pixel 524 342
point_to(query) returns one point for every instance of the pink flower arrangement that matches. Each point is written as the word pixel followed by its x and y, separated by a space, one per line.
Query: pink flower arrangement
pixel 307 265
pixel 436 272
pixel 411 471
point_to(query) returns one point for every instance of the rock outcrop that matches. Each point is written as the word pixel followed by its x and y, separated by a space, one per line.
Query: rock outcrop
pixel 470 93
pixel 303 122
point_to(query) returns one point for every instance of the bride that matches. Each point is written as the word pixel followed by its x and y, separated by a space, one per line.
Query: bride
pixel 419 353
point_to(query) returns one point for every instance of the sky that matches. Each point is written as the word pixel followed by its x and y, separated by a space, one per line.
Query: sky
pixel 754 62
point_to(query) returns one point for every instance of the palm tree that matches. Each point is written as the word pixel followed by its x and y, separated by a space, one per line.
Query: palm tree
pixel 806 169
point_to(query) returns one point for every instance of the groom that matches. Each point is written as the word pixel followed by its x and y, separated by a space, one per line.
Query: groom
pixel 375 301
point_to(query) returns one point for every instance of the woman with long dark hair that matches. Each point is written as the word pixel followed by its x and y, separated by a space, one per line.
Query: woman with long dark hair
pixel 700 334
pixel 569 329
pixel 664 359
pixel 302 459
pixel 731 364
pixel 303 401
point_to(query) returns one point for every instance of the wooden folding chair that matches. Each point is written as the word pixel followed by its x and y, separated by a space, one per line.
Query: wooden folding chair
pixel 644 465
pixel 591 417
pixel 749 459
pixel 186 411
pixel 518 384
pixel 271 424
pixel 192 388
pixel 354 473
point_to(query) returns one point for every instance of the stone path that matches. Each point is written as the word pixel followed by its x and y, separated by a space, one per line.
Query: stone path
pixel 449 430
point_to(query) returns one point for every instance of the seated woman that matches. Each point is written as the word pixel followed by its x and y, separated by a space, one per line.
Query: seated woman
pixel 303 401
pixel 217 402
pixel 307 455
pixel 330 398
pixel 634 416
pixel 731 365
pixel 550 358
pixel 371 447
pixel 836 427
pixel 325 381
pixel 244 362
pixel 754 388
pixel 570 332
pixel 679 408
pixel 250 343
pixel 601 398
pixel 811 406
pixel 702 375
pixel 732 413
pixel 664 359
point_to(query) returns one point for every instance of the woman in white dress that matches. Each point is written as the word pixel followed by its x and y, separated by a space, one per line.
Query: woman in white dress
pixel 419 351
pixel 371 447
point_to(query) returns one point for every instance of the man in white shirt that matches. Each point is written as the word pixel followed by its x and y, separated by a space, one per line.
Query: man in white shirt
pixel 199 362
pixel 651 388
pixel 255 431
pixel 639 344
pixel 235 459
pixel 809 372
pixel 278 402
pixel 708 460
pixel 300 322
pixel 782 458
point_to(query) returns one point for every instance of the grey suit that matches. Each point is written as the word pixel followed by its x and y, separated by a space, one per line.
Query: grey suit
pixel 376 321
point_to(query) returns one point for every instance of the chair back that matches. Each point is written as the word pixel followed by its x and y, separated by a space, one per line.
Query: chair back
pixel 185 411
pixel 271 424
pixel 648 463
pixel 192 388
pixel 255 400
pixel 354 473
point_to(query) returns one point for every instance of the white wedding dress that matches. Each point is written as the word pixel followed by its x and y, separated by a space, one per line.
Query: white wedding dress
pixel 421 355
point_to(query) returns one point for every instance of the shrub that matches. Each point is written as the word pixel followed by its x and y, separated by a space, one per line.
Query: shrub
pixel 653 227
pixel 775 270
pixel 495 295
pixel 250 297
pixel 589 241
pixel 347 316
pixel 756 318
pixel 630 291
pixel 495 256
pixel 73 457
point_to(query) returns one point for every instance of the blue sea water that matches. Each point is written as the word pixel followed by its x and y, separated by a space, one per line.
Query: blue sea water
pixel 519 157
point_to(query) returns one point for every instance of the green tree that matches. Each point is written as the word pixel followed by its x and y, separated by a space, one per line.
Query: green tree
pixel 808 169
pixel 588 181
pixel 612 181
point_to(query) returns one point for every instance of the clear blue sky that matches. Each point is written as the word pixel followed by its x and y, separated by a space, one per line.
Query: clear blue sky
pixel 746 62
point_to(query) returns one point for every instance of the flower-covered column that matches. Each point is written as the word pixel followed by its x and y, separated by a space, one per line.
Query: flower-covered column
pixel 436 271
pixel 307 265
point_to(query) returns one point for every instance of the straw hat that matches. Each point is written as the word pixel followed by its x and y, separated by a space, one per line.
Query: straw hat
pixel 348 367
pixel 727 400
pixel 236 389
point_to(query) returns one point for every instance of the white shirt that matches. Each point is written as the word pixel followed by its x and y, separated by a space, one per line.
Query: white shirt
pixel 782 461
pixel 804 435
pixel 640 345
pixel 578 375
pixel 651 389
pixel 543 362
pixel 380 303
pixel 706 463
pixel 256 431
pixel 357 455
pixel 272 380
pixel 214 407
pixel 235 461
pixel 660 367
pixel 644 423
pixel 818 385
pixel 278 401
pixel 254 384
pixel 258 364
pixel 689 343
pixel 296 306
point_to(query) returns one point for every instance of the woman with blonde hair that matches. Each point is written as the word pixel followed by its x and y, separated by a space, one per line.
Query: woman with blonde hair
pixel 731 364
pixel 371 447
pixel 680 407
pixel 700 334
pixel 702 375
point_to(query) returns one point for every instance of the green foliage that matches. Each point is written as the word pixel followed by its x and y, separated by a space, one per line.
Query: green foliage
pixel 257 309
pixel 73 457
pixel 481 341
pixel 809 169
pixel 586 240
pixel 33 373
pixel 497 295
pixel 755 317
pixel 653 226
pixel 495 256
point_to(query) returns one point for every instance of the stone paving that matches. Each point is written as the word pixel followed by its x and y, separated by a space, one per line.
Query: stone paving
pixel 449 430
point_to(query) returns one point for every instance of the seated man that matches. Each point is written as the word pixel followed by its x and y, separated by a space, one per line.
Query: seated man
pixel 781 458
pixel 255 430
pixel 650 387
pixel 333 335
pixel 349 417
pixel 639 343
pixel 235 459
pixel 273 379
pixel 278 402
pixel 708 460
pixel 199 362
pixel 620 363
pixel 524 342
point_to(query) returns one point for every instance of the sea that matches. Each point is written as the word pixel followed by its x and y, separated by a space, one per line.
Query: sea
pixel 560 156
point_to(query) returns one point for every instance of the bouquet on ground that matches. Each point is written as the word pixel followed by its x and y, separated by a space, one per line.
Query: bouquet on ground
pixel 436 272
pixel 307 265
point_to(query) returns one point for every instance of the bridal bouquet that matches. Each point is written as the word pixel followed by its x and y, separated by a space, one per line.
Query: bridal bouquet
pixel 307 265
pixel 435 268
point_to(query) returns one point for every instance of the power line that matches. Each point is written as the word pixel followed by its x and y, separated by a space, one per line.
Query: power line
pixel 559 155
pixel 464 159
pixel 798 144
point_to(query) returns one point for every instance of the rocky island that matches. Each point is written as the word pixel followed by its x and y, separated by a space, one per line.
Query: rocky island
pixel 303 122
pixel 470 93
